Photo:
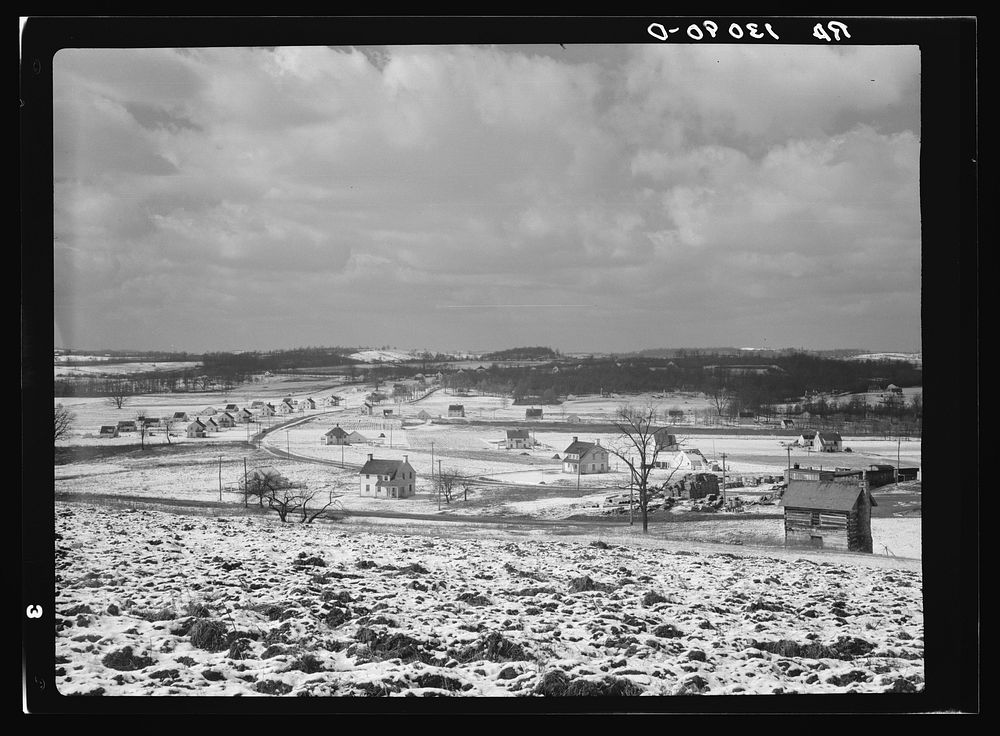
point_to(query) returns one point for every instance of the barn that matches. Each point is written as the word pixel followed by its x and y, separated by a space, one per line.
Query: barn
pixel 532 413
pixel 108 431
pixel 829 515
pixel 423 415
pixel 456 410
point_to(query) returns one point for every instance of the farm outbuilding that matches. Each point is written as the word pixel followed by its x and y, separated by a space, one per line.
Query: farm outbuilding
pixel 424 415
pixel 818 474
pixel 367 409
pixel 387 478
pixel 356 438
pixel 533 413
pixel 108 431
pixel 665 441
pixel 456 410
pixel 585 458
pixel 126 426
pixel 686 459
pixel 828 514
pixel 787 423
pixel 336 436
pixel 573 419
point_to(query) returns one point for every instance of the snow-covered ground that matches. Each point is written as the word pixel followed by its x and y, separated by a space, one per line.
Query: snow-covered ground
pixel 152 603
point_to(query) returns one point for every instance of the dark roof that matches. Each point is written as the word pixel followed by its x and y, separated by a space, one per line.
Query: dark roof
pixel 108 428
pixel 822 495
pixel 456 407
pixel 532 412
pixel 180 414
pixel 231 407
pixel 517 433
pixel 336 432
pixel 579 448
pixel 829 437
pixel 382 467
pixel 808 435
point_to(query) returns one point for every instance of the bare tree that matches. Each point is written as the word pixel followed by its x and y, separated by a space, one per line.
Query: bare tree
pixel 118 393
pixel 637 448
pixel 308 517
pixel 447 482
pixel 63 421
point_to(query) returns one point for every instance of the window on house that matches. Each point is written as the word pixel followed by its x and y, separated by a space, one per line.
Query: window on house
pixel 814 518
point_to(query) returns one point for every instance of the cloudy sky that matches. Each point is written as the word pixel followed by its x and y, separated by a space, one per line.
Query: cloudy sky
pixel 592 198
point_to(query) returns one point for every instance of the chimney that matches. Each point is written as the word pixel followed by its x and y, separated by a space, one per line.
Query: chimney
pixel 370 458
pixel 406 459
pixel 574 438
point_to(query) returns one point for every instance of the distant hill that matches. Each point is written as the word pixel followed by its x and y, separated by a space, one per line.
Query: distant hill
pixel 535 353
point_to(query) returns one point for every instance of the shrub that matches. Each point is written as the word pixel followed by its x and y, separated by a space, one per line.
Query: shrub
pixel 210 635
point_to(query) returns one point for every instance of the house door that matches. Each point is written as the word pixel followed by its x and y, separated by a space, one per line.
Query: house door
pixel 816 541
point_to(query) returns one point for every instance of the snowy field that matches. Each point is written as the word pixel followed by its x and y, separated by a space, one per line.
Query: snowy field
pixel 100 368
pixel 151 603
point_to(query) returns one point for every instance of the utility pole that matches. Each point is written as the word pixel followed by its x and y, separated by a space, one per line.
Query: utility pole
pixel 244 482
pixel 220 478
pixel 432 461
pixel 439 485
pixel 724 480
pixel 898 440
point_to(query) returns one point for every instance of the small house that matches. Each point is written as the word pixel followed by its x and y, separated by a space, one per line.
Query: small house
pixel 806 439
pixel 210 424
pixel 830 515
pixel 244 416
pixel 828 442
pixel 333 401
pixel 387 478
pixel 518 439
pixel 356 438
pixel 180 416
pixel 424 415
pixel 127 425
pixel 196 429
pixel 286 407
pixel 256 405
pixel 456 410
pixel 108 431
pixel 226 420
pixel 232 409
pixel 787 423
pixel 532 413
pixel 585 457
pixel 307 404
pixel 209 411
pixel 268 410
pixel 573 419
pixel 336 436
pixel 367 409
